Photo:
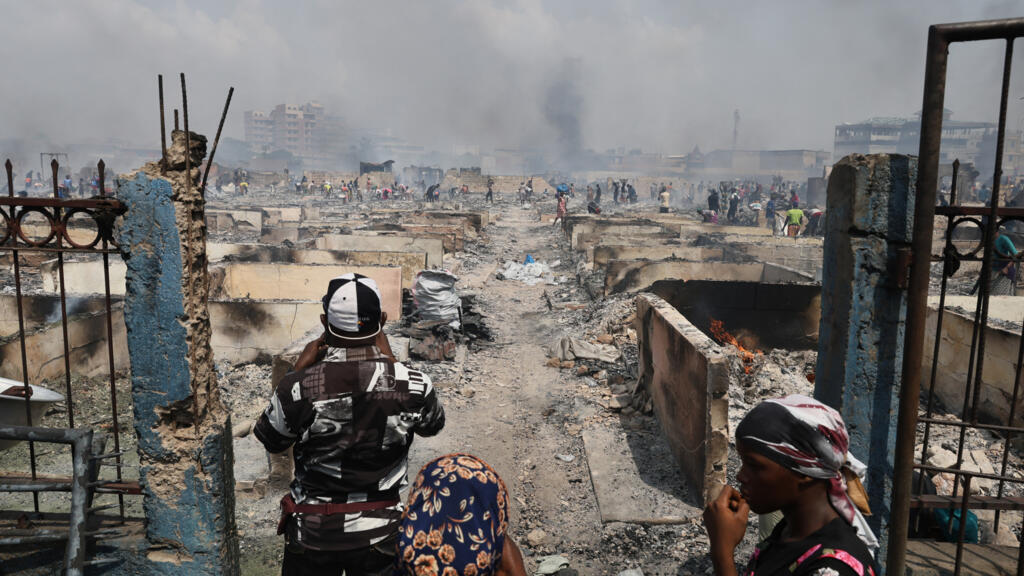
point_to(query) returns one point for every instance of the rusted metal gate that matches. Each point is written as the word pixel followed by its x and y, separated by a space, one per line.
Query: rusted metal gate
pixel 62 226
pixel 989 219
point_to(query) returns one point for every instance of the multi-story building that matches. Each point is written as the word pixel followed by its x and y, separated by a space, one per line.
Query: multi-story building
pixel 305 130
pixel 258 130
pixel 972 142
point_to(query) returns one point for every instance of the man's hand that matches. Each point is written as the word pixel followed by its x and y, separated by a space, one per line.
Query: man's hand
pixel 725 519
pixel 311 354
pixel 384 345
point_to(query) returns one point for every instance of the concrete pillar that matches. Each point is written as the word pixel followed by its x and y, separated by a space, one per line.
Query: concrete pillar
pixel 183 429
pixel 869 218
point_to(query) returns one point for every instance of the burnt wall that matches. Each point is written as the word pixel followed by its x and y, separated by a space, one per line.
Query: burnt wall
pixel 758 315
pixel 688 379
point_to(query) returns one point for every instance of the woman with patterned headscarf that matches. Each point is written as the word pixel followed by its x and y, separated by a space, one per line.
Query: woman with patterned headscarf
pixel 456 523
pixel 795 459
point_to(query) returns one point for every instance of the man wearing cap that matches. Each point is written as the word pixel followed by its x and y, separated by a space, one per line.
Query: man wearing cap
pixel 351 411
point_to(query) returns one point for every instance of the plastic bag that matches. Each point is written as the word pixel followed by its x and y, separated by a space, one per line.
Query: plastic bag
pixel 434 296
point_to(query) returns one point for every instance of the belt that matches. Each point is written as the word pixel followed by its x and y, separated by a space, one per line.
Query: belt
pixel 289 507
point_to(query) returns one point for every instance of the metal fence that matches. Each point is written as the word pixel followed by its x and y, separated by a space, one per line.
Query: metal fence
pixel 61 223
pixel 990 219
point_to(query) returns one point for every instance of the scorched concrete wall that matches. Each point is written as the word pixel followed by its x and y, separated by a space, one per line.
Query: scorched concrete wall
pixel 761 315
pixel 410 262
pixel 633 275
pixel 243 330
pixel 234 221
pixel 274 281
pixel 433 248
pixel 688 380
pixel 603 253
pixel 1001 347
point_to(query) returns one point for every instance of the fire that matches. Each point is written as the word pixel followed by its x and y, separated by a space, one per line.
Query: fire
pixel 720 334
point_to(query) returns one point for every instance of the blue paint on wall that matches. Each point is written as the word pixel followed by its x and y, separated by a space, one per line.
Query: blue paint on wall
pixel 153 304
pixel 869 218
pixel 194 521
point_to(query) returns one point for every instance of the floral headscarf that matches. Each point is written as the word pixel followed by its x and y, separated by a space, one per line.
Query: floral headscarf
pixel 456 519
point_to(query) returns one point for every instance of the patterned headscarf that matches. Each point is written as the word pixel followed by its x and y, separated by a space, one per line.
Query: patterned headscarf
pixel 456 519
pixel 805 436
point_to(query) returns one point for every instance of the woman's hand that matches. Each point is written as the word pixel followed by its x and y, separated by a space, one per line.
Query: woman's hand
pixel 725 519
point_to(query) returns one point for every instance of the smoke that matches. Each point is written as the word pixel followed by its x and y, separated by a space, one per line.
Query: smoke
pixel 563 105
pixel 561 76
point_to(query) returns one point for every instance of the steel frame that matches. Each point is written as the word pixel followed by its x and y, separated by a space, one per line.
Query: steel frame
pixel 939 39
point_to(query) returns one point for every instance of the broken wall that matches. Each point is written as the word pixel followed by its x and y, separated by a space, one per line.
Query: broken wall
pixel 1002 344
pixel 760 315
pixel 432 247
pixel 688 380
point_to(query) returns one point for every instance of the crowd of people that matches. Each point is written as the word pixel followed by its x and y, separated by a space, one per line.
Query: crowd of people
pixel 35 184
pixel 350 411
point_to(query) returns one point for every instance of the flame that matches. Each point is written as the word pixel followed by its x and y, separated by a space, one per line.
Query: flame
pixel 723 337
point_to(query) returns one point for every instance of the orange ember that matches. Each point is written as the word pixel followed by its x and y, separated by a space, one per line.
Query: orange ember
pixel 720 334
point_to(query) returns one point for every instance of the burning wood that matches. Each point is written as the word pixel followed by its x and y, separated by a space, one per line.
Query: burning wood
pixel 723 337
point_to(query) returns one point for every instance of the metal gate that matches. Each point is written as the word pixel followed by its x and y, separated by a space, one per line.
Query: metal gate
pixel 81 228
pixel 990 219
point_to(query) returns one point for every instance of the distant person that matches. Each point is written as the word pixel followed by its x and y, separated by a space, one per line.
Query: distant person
pixel 815 226
pixel 794 220
pixel 769 213
pixel 597 194
pixel 351 410
pixel 666 201
pixel 734 204
pixel 795 459
pixel 81 186
pixel 713 204
pixel 794 200
pixel 563 201
pixel 1005 260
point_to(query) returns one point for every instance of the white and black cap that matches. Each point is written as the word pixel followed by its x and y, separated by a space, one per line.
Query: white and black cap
pixel 353 307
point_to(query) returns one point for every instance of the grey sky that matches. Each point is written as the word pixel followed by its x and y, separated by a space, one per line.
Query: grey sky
pixel 662 76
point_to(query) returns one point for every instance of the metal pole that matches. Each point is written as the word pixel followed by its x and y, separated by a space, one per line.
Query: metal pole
pixel 163 129
pixel 216 139
pixel 917 297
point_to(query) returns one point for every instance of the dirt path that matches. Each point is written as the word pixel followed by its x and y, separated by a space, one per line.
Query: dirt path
pixel 507 420
pixel 520 415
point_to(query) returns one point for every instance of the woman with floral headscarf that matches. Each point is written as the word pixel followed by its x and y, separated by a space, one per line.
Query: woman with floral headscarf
pixel 456 523
pixel 795 459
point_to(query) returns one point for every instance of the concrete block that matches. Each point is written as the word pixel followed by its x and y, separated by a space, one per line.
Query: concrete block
pixel 433 248
pixel 633 275
pixel 274 281
pixel 688 381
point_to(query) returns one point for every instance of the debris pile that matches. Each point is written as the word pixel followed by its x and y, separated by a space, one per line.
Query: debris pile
pixel 531 273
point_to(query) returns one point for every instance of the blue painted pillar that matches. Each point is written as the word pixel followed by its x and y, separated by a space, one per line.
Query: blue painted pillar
pixel 869 217
pixel 184 432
